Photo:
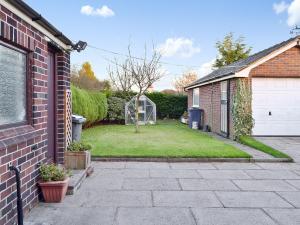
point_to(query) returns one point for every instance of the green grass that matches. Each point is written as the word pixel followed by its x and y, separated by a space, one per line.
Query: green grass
pixel 166 139
pixel 250 141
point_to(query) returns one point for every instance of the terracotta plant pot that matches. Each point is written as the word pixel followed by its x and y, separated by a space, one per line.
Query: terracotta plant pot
pixel 77 160
pixel 54 191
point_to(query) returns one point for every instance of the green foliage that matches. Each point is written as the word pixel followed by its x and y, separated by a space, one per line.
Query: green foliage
pixel 125 95
pixel 243 121
pixel 89 104
pixel 52 172
pixel 166 139
pixel 231 50
pixel 116 109
pixel 86 78
pixel 168 105
pixel 250 141
pixel 79 147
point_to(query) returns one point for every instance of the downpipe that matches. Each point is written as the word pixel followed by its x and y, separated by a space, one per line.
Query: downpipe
pixel 19 198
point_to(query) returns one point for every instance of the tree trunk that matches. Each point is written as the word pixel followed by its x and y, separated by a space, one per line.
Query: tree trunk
pixel 137 114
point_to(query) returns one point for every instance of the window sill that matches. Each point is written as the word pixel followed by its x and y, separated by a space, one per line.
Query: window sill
pixel 17 135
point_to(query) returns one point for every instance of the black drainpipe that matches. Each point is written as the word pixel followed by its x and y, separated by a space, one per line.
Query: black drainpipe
pixel 19 198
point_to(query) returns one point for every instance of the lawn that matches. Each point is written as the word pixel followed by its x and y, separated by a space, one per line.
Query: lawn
pixel 166 139
pixel 250 141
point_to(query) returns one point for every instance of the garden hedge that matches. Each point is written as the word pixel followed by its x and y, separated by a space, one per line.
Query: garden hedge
pixel 89 104
pixel 168 105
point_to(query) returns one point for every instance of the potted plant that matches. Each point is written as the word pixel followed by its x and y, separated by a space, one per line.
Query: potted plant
pixel 78 156
pixel 184 118
pixel 54 182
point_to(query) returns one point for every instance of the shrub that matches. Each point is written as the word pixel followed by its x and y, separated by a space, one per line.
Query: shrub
pixel 91 105
pixel 116 109
pixel 168 105
pixel 243 121
pixel 79 147
pixel 52 173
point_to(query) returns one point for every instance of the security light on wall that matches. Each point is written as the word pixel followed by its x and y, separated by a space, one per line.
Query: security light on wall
pixel 79 46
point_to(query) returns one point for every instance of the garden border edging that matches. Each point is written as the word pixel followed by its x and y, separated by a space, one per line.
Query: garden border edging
pixel 241 160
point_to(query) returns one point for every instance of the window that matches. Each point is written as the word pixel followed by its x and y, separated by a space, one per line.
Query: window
pixel 196 97
pixel 12 86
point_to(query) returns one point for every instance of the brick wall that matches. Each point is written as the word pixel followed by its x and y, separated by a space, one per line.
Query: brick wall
pixel 25 146
pixel 284 65
pixel 190 98
pixel 210 102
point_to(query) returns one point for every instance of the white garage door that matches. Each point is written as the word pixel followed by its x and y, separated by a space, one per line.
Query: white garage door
pixel 276 106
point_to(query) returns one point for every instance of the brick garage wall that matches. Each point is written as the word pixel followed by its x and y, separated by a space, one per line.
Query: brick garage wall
pixel 190 98
pixel 284 65
pixel 26 146
pixel 210 102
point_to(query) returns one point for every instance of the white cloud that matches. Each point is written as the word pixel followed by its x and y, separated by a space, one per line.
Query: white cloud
pixel 104 11
pixel 294 13
pixel 182 47
pixel 280 7
pixel 206 68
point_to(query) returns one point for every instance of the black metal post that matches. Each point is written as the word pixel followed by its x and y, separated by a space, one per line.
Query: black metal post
pixel 19 198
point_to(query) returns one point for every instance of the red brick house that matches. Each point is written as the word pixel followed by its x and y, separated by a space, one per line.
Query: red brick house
pixel 34 101
pixel 274 75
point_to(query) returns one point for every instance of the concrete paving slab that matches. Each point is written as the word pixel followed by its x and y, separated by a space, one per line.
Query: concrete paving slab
pixel 285 216
pixel 102 183
pixel 151 184
pixel 199 166
pixel 288 145
pixel 134 173
pixel 74 216
pixel 236 166
pixel 172 173
pixel 207 185
pixel 221 216
pixel 291 197
pixel 185 199
pixel 117 198
pixel 147 165
pixel 223 174
pixel 109 165
pixel 272 174
pixel 251 200
pixel 264 185
pixel 295 183
pixel 154 216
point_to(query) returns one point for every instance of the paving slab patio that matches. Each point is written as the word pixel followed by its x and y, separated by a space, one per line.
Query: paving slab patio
pixel 180 193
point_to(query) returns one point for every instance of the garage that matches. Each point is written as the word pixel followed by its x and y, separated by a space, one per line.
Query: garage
pixel 276 106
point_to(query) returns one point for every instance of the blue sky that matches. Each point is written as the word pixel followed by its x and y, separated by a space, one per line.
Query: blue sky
pixel 186 30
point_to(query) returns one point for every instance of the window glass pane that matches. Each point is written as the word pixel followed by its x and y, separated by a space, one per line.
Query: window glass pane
pixel 12 86
pixel 196 97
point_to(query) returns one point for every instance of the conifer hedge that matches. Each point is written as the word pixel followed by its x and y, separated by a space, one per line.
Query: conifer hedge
pixel 89 104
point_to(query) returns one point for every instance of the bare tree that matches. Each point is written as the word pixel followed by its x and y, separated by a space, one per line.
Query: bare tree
pixel 120 76
pixel 137 74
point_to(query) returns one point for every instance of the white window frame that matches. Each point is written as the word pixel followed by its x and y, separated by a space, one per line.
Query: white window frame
pixel 196 97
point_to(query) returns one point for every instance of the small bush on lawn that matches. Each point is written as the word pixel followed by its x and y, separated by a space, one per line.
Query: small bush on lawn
pixel 91 105
pixel 168 105
pixel 116 109
pixel 52 173
pixel 79 147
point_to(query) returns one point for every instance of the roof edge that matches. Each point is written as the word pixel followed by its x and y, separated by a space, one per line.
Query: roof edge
pixel 36 19
pixel 244 72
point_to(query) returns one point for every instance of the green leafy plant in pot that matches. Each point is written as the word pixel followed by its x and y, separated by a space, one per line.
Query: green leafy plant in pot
pixel 78 156
pixel 54 182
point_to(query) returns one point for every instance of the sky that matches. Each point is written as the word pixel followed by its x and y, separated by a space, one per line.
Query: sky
pixel 184 31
